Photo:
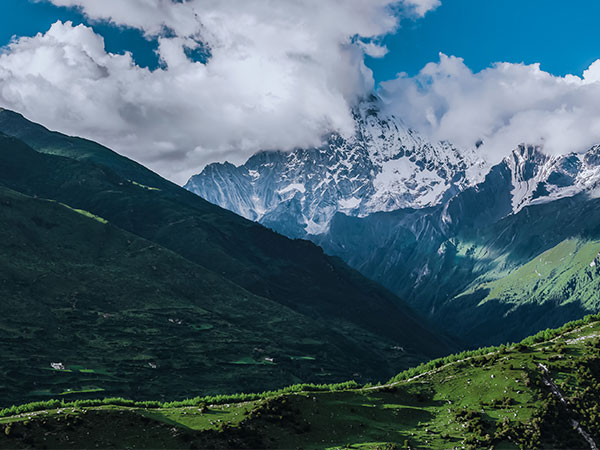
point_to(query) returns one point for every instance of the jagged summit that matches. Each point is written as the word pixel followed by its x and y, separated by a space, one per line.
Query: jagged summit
pixel 539 178
pixel 385 166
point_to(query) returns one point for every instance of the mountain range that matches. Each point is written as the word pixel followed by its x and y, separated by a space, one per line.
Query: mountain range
pixel 488 252
pixel 384 166
pixel 116 282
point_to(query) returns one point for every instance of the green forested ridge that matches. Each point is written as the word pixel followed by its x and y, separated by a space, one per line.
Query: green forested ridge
pixel 54 143
pixel 509 396
pixel 143 289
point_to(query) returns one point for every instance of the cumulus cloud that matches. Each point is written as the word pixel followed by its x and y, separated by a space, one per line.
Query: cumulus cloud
pixel 422 7
pixel 502 106
pixel 280 75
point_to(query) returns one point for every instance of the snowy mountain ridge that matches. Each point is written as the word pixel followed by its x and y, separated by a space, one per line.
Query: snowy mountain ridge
pixel 539 178
pixel 385 166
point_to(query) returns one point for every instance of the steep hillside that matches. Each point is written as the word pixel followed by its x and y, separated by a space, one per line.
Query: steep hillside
pixel 541 393
pixel 126 316
pixel 535 269
pixel 442 259
pixel 448 275
pixel 335 310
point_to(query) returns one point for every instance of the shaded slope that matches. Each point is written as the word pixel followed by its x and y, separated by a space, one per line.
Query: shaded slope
pixel 130 317
pixel 432 256
pixel 295 273
pixel 54 143
pixel 529 271
pixel 321 302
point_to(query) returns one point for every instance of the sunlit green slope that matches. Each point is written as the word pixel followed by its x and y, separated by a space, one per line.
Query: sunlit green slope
pixel 569 272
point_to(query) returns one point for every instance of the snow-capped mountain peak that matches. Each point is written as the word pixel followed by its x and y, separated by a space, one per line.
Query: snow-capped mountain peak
pixel 540 178
pixel 383 167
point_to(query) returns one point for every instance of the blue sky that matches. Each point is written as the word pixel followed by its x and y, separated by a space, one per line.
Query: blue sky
pixel 26 18
pixel 560 35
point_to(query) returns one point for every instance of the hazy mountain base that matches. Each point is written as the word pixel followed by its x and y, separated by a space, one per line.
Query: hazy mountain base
pixel 541 393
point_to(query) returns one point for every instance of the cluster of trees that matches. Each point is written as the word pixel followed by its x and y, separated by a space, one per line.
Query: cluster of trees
pixel 552 422
pixel 440 362
pixel 551 426
pixel 546 335
pixel 474 423
pixel 542 336
pixel 196 401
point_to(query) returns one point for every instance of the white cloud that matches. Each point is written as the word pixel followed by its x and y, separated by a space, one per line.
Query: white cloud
pixel 422 7
pixel 503 105
pixel 281 74
pixel 373 50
